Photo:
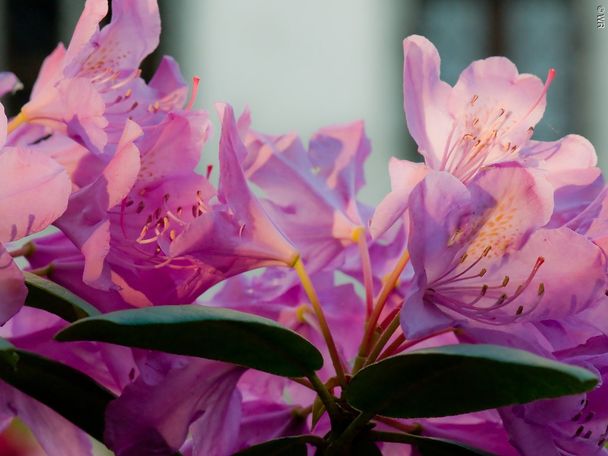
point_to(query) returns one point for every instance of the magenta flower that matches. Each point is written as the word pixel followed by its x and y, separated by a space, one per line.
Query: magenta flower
pixel 487 118
pixel 480 255
pixel 90 89
pixel 171 394
pixel 236 226
pixel 570 425
pixel 34 191
pixel 323 180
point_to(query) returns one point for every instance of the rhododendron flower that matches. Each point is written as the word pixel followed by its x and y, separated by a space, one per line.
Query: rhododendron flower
pixel 90 89
pixel 155 412
pixel 323 180
pixel 33 192
pixel 480 255
pixel 575 424
pixel 488 117
pixel 496 239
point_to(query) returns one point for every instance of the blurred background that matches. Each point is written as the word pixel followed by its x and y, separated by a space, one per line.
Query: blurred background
pixel 300 65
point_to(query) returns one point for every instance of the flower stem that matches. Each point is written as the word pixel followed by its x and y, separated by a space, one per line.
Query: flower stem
pixel 383 339
pixel 366 267
pixel 303 382
pixel 15 122
pixel 394 347
pixel 24 251
pixel 342 443
pixel 409 428
pixel 387 289
pixel 43 271
pixel 324 395
pixel 316 305
pixel 400 344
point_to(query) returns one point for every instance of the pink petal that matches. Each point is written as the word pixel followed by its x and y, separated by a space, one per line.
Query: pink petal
pixel 425 99
pixel 34 192
pixel 12 288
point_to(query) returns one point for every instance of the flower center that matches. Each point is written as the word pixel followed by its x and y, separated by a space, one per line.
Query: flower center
pixel 483 134
pixel 461 289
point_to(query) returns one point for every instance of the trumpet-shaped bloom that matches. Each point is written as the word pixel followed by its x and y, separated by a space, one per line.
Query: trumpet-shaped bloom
pixel 574 424
pixel 323 180
pixel 90 89
pixel 487 118
pixel 33 192
pixel 154 413
pixel 480 255
pixel 152 226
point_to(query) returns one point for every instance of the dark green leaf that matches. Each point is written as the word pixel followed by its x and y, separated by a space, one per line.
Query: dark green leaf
pixel 429 446
pixel 47 295
pixel 286 446
pixel 461 378
pixel 69 392
pixel 206 332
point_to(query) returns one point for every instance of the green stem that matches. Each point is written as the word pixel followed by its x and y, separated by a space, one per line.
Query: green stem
pixel 396 437
pixel 341 444
pixel 316 305
pixel 325 396
pixel 383 339
pixel 24 251
pixel 386 291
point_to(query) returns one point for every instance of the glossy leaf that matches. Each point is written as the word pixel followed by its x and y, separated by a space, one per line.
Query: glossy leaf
pixel 461 378
pixel 206 332
pixel 47 295
pixel 69 392
pixel 429 446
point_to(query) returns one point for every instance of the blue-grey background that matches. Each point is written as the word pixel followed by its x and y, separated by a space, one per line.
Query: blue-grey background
pixel 300 65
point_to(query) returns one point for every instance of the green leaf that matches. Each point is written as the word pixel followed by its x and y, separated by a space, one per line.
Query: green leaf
pixel 461 378
pixel 206 332
pixel 429 446
pixel 47 295
pixel 286 446
pixel 69 392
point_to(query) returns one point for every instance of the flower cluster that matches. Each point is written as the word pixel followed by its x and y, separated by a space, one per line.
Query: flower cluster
pixel 495 238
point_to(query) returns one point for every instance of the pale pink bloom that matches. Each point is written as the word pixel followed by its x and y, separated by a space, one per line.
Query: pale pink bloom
pixel 480 256
pixel 33 193
pixel 487 118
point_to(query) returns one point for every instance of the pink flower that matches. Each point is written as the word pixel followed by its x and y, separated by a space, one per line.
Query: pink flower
pixel 569 425
pixel 171 394
pixel 323 180
pixel 480 256
pixel 90 89
pixel 33 192
pixel 487 118
pixel 152 226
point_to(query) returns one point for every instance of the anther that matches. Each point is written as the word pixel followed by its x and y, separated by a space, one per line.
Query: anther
pixel 579 431
pixel 474 99
pixel 140 207
pixel 541 289
pixel 483 272
pixel 487 250
pixel 505 281
pixel 520 309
